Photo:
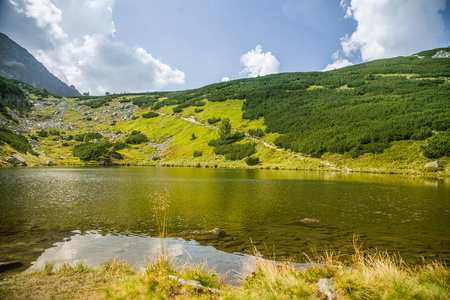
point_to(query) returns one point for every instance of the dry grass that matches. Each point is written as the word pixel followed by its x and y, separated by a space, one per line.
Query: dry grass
pixel 364 275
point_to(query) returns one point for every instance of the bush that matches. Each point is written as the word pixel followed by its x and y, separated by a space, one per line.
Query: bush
pixel 88 135
pixel 197 153
pixel 214 120
pixel 150 114
pixel 236 151
pixel 198 110
pixel 252 160
pixel 177 110
pixel 16 141
pixel 193 137
pixel 88 152
pixel 156 158
pixel 256 132
pixel 136 139
pixel 54 132
pixel 42 133
pixel 438 145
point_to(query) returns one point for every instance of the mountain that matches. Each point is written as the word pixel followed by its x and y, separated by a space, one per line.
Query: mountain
pixel 17 63
pixel 388 115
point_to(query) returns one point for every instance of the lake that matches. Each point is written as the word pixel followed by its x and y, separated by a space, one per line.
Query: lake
pixel 81 213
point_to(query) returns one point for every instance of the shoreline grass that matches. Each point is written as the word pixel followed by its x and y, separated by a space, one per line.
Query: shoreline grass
pixel 364 275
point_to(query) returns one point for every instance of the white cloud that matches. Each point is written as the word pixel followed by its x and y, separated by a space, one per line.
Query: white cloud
pixel 337 64
pixel 256 63
pixel 224 79
pixel 393 28
pixel 75 45
pixel 390 28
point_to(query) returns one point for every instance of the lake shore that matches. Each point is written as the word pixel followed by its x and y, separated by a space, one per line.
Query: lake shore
pixel 365 275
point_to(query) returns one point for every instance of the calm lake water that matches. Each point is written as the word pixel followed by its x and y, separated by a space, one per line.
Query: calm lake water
pixel 81 213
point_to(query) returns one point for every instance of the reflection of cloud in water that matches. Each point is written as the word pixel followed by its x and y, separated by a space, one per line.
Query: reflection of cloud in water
pixel 96 249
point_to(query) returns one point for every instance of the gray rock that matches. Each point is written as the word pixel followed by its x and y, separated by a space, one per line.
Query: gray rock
pixel 326 286
pixel 434 164
pixel 50 163
pixel 16 159
pixel 309 221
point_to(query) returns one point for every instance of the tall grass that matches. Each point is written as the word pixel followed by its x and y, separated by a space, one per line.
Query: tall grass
pixel 161 203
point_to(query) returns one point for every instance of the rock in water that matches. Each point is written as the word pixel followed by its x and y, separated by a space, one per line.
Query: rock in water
pixel 5 266
pixel 434 164
pixel 16 159
pixel 308 221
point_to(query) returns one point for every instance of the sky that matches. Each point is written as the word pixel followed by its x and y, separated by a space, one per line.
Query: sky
pixel 122 46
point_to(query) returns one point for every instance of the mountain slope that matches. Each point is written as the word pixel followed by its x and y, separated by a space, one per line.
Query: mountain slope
pixel 386 115
pixel 18 63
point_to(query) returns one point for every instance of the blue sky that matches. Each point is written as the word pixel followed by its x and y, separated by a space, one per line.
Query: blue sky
pixel 146 45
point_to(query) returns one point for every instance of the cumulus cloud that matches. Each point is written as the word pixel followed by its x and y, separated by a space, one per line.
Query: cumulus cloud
pixel 225 79
pixel 257 63
pixel 391 28
pixel 75 45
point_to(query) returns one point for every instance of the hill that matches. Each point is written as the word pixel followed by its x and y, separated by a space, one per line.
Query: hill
pixel 17 63
pixel 390 115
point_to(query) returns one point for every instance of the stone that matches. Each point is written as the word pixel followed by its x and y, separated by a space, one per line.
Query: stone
pixel 50 163
pixel 309 221
pixel 326 286
pixel 434 164
pixel 215 231
pixel 16 159
pixel 5 266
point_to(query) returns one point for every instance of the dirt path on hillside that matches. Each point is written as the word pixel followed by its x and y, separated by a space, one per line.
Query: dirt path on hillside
pixel 192 119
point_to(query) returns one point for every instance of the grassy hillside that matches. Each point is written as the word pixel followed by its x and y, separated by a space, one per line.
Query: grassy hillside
pixel 389 115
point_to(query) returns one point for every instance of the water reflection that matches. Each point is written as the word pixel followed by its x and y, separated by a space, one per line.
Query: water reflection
pixel 94 249
pixel 402 214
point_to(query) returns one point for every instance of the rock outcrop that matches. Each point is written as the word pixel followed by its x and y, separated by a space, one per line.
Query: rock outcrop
pixel 16 159
pixel 434 164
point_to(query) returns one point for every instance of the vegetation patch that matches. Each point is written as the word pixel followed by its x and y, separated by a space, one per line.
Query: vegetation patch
pixel 16 141
pixel 136 138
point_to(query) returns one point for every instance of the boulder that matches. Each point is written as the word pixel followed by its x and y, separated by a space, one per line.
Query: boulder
pixel 16 159
pixel 434 164
pixel 326 286
pixel 50 163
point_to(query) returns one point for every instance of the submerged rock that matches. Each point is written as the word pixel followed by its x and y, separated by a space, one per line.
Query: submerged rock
pixel 5 266
pixel 215 231
pixel 309 221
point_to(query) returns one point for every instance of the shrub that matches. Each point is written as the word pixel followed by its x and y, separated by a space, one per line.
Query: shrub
pixel 193 137
pixel 54 132
pixel 197 153
pixel 16 141
pixel 438 146
pixel 136 139
pixel 65 144
pixel 256 132
pixel 252 160
pixel 236 151
pixel 42 133
pixel 422 133
pixel 214 120
pixel 150 114
pixel 177 110
pixel 198 110
pixel 156 158
pixel 88 135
